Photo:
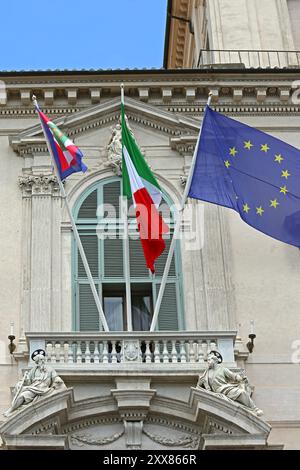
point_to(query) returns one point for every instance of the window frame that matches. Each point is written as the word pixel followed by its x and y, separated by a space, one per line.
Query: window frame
pixel 84 225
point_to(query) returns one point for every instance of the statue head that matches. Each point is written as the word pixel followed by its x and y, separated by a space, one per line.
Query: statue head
pixel 38 355
pixel 214 358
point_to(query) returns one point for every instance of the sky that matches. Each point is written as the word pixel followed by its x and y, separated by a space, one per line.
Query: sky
pixel 76 34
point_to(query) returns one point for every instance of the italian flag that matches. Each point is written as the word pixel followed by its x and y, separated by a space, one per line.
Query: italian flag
pixel 140 185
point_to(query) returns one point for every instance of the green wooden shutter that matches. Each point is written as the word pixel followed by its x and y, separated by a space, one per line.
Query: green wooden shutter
pixel 111 195
pixel 88 313
pixel 168 315
pixel 113 258
pixel 161 261
pixel 88 208
pixel 138 267
pixel 90 246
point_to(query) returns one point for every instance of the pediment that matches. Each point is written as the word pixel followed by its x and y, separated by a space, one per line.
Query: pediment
pixel 82 125
pixel 104 422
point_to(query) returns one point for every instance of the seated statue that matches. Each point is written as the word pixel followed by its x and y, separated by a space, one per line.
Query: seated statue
pixel 219 379
pixel 39 381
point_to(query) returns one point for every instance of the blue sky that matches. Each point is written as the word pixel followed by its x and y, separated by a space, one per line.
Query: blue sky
pixel 68 34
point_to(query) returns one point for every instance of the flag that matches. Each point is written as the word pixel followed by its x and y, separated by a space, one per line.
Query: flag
pixel 140 184
pixel 251 172
pixel 68 157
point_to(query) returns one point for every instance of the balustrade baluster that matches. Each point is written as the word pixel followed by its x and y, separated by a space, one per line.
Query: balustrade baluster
pixel 78 352
pixel 105 352
pixel 61 352
pixel 156 352
pixel 53 352
pixel 191 351
pixel 48 351
pixel 114 359
pixel 182 351
pixel 70 352
pixel 87 352
pixel 174 354
pixel 165 352
pixel 148 352
pixel 96 353
pixel 200 352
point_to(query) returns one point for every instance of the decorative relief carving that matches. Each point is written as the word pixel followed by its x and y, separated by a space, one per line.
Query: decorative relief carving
pixel 187 441
pixel 183 180
pixel 114 150
pixel 131 350
pixel 82 440
pixel 39 184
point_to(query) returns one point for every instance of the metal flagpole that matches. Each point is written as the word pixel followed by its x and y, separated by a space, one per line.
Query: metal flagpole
pixel 75 232
pixel 176 230
pixel 126 248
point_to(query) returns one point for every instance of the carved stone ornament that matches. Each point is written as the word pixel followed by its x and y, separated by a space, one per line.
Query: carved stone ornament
pixel 187 441
pixel 183 180
pixel 131 350
pixel 82 440
pixel 41 381
pixel 114 150
pixel 39 184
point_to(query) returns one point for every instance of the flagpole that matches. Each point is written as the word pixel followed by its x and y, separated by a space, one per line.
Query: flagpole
pixel 75 232
pixel 177 229
pixel 126 248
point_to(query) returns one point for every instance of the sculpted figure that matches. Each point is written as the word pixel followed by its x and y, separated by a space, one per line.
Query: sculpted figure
pixel 114 148
pixel 221 380
pixel 39 381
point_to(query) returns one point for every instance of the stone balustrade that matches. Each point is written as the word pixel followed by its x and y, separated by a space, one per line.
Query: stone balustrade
pixel 117 348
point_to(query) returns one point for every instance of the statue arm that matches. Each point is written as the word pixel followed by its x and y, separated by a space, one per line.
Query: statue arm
pixel 231 376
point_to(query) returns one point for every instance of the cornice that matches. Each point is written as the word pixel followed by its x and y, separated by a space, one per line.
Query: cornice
pixel 185 90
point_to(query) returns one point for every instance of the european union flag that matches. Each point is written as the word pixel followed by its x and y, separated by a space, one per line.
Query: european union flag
pixel 251 172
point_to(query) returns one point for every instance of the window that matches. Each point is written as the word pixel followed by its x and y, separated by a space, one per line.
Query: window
pixel 113 274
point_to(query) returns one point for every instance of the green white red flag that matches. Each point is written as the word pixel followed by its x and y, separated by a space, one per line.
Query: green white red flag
pixel 140 184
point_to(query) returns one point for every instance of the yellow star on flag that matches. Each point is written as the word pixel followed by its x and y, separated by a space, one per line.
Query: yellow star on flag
pixel 285 174
pixel 246 208
pixel 227 164
pixel 248 145
pixel 278 158
pixel 259 211
pixel 274 203
pixel 233 151
pixel 265 148
pixel 283 190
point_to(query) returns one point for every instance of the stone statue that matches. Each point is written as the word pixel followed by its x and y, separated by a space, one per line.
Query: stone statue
pixel 219 379
pixel 114 148
pixel 40 381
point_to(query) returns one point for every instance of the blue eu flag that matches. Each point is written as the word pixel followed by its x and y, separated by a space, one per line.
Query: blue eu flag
pixel 251 172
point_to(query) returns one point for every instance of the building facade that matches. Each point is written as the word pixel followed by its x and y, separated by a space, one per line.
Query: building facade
pixel 136 389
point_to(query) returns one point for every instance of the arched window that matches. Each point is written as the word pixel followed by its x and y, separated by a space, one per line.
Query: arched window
pixel 111 272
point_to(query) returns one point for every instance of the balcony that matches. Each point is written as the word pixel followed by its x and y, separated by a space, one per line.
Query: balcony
pixel 178 353
pixel 248 59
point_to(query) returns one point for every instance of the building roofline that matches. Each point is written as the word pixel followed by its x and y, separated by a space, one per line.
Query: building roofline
pixel 162 71
pixel 167 33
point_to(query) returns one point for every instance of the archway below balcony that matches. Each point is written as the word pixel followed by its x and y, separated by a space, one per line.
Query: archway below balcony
pixel 139 419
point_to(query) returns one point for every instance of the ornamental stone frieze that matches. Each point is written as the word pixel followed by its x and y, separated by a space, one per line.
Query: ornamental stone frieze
pixel 39 185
